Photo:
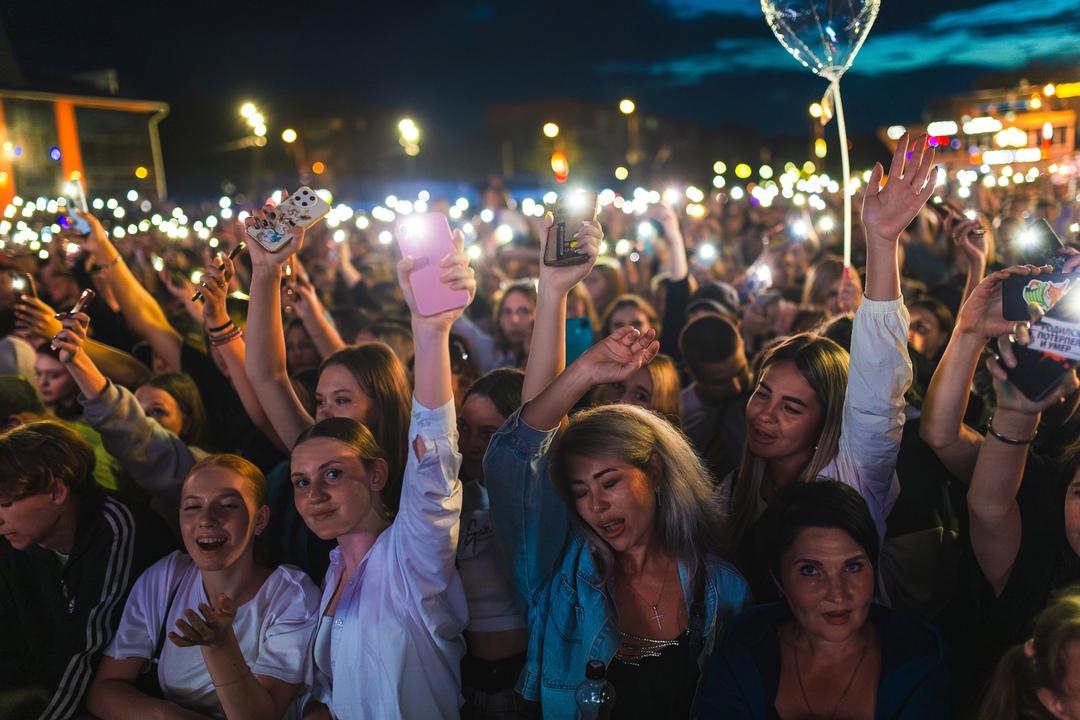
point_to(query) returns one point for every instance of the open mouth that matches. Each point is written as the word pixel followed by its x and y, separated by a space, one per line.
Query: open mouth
pixel 210 544
pixel 612 528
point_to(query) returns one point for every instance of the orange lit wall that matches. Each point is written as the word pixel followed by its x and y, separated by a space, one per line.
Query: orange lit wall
pixel 68 134
pixel 7 173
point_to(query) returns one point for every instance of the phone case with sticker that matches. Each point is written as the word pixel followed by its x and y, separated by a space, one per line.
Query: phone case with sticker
pixel 302 209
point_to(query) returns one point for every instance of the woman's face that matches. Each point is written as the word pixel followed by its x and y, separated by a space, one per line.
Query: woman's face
pixel 516 317
pixel 829 583
pixel 338 394
pixel 218 517
pixel 55 382
pixel 637 390
pixel 598 288
pixel 161 407
pixel 300 352
pixel 333 490
pixel 924 333
pixel 478 421
pixel 616 499
pixel 784 415
pixel 630 315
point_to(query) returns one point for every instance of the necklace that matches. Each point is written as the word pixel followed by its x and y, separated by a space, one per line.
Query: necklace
pixel 850 682
pixel 656 613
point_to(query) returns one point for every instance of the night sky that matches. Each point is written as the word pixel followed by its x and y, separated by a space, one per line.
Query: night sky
pixel 712 61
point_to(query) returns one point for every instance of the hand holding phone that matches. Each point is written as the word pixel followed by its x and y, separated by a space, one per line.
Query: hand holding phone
pixel 571 212
pixel 301 210
pixel 1053 350
pixel 427 239
pixel 75 200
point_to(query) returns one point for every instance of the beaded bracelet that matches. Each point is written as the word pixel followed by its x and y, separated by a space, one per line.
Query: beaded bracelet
pixel 227 338
pixel 1009 440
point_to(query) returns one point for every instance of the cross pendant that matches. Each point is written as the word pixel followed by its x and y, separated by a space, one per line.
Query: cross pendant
pixel 656 616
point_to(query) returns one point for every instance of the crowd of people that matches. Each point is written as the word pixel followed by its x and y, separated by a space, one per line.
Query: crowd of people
pixel 750 480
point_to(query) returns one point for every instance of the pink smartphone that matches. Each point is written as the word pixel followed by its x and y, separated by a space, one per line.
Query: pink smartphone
pixel 428 240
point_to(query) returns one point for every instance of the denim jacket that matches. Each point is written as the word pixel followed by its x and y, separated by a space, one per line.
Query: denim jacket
pixel 571 613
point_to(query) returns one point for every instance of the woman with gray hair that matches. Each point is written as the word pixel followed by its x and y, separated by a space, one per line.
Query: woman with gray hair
pixel 625 570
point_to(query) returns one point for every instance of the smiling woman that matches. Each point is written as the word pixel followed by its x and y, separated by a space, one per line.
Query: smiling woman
pixel 238 632
pixel 824 650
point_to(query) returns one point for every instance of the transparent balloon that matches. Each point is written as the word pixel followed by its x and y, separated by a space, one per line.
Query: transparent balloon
pixel 824 35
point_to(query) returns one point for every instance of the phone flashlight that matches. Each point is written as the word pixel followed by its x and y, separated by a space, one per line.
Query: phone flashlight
pixel 157 262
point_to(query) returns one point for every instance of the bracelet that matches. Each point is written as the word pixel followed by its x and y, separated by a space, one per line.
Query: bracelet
pixel 227 338
pixel 1009 440
pixel 219 328
pixel 98 268
pixel 231 682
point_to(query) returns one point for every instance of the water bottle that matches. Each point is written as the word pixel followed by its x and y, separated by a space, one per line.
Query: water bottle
pixel 596 696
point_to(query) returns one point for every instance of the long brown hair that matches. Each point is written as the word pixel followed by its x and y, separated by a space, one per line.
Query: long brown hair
pixel 1042 663
pixel 824 365
pixel 382 376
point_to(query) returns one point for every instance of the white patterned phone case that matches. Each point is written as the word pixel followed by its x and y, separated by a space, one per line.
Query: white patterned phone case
pixel 302 209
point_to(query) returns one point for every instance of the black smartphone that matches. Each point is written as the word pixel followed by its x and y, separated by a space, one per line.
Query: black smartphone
pixel 1053 351
pixel 1040 245
pixel 571 211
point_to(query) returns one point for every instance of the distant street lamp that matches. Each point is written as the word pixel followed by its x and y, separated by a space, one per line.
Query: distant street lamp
pixel 551 130
pixel 410 137
pixel 288 135
pixel 626 107
pixel 633 132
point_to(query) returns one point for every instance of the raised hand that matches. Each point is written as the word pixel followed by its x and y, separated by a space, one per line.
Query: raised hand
pixel 888 209
pixel 215 291
pixel 458 275
pixel 260 256
pixel 981 314
pixel 71 337
pixel 38 318
pixel 1009 398
pixel 619 355
pixel 213 627
pixel 562 278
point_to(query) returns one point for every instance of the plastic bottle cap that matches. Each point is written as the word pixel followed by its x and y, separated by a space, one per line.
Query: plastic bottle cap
pixel 595 670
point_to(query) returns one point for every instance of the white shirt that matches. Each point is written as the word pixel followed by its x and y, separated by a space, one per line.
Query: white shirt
pixel 395 643
pixel 274 629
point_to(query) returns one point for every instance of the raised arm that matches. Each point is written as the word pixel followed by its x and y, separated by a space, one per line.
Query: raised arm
pixel 141 311
pixel 996 527
pixel 969 236
pixel 678 291
pixel 431 491
pixel 265 336
pixel 228 341
pixel 613 359
pixel 156 459
pixel 879 370
pixel 979 320
pixel 549 327
pixel 312 313
pixel 120 367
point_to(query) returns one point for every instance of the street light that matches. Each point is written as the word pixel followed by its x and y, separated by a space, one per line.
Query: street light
pixel 626 107
pixel 551 130
pixel 410 136
pixel 288 135
pixel 247 110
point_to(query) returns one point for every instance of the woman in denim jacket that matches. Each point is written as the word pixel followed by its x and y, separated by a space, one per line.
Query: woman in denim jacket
pixel 624 569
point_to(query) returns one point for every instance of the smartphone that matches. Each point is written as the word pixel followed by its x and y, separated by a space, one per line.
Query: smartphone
pixel 1040 245
pixel 1053 351
pixel 571 210
pixel 76 200
pixel 84 301
pixel 23 283
pixel 579 337
pixel 939 206
pixel 302 209
pixel 1043 290
pixel 427 239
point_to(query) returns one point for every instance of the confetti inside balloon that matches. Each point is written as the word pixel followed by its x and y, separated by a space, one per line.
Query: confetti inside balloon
pixel 825 36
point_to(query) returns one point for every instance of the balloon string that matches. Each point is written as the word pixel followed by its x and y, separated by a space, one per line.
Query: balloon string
pixel 846 168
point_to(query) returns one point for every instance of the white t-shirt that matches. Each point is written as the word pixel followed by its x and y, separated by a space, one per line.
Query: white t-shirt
pixel 274 629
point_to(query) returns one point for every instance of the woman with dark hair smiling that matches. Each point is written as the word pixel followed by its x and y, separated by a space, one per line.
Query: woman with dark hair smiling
pixel 825 650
